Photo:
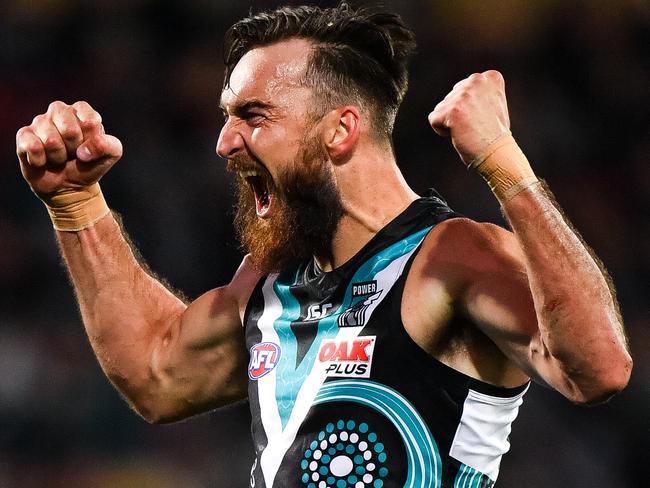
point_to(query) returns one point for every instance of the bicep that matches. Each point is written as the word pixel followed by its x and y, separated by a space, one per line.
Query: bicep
pixel 200 362
pixel 498 299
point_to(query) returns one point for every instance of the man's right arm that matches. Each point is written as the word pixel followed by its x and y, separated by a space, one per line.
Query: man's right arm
pixel 169 360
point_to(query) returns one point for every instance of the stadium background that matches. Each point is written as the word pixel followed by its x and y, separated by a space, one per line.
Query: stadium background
pixel 577 78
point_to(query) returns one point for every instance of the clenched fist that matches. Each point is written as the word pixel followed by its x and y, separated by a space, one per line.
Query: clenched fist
pixel 65 149
pixel 474 114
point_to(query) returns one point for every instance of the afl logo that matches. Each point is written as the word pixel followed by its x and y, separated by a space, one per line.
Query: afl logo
pixel 264 357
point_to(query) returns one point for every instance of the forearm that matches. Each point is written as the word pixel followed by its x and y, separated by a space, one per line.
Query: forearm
pixel 126 311
pixel 578 344
pixel 579 322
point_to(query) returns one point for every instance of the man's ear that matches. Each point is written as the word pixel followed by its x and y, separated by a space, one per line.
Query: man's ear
pixel 342 131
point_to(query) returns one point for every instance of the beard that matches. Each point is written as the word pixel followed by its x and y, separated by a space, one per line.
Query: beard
pixel 307 211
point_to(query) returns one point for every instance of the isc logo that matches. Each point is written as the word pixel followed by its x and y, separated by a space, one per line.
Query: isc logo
pixel 264 357
pixel 317 312
pixel 349 358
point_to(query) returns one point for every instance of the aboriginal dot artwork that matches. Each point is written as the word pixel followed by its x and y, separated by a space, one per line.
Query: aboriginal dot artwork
pixel 345 454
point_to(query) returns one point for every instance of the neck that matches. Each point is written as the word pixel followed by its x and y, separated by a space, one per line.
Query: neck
pixel 373 192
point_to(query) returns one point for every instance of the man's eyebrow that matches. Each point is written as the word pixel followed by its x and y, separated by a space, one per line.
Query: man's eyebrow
pixel 246 106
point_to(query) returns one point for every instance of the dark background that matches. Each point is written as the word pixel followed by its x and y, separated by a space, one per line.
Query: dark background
pixel 577 79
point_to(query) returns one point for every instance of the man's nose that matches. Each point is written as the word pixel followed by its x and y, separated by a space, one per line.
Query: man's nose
pixel 230 141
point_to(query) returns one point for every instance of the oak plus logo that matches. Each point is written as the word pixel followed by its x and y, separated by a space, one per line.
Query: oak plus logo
pixel 351 358
pixel 264 357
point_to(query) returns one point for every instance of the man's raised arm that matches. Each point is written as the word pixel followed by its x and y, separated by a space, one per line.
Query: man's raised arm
pixel 578 345
pixel 168 359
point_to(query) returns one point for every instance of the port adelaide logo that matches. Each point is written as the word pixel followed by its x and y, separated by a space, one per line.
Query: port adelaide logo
pixel 351 358
pixel 264 357
pixel 363 295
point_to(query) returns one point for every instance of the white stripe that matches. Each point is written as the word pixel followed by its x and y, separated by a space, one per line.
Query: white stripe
pixel 280 440
pixel 481 438
pixel 270 416
pixel 386 278
pixel 466 477
pixel 463 477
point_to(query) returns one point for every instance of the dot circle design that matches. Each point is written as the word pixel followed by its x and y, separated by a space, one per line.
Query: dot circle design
pixel 345 454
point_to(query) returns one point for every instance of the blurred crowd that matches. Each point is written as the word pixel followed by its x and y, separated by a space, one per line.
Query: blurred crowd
pixel 578 79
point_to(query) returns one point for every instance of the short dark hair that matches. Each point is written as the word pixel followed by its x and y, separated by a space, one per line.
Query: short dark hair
pixel 360 55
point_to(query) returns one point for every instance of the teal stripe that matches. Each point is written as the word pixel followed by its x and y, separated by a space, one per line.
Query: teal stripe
pixel 291 377
pixel 468 477
pixel 423 458
pixel 462 479
pixel 288 378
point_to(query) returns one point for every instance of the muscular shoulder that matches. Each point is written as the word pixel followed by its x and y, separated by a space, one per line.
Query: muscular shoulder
pixel 222 309
pixel 462 263
pixel 459 248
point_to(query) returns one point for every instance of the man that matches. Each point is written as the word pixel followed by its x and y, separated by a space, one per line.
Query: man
pixel 382 339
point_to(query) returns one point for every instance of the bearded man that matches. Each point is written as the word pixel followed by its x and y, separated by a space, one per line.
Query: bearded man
pixel 382 339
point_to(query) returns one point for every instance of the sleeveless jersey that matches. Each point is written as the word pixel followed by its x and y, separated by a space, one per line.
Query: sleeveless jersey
pixel 340 394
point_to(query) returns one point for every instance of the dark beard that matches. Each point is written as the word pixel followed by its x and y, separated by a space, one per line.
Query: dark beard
pixel 307 211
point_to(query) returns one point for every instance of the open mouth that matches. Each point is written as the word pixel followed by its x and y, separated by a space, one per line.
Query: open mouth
pixel 260 186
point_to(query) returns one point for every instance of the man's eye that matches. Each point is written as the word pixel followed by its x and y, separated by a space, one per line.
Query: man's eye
pixel 254 118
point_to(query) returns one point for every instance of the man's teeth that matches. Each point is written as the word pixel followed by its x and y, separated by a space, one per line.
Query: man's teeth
pixel 250 172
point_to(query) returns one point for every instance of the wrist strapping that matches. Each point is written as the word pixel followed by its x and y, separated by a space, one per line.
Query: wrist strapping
pixel 505 168
pixel 76 209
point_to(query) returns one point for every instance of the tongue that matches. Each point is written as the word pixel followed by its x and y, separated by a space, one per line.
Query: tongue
pixel 263 198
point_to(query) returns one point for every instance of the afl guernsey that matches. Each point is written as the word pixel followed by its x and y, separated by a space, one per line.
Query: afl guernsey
pixel 340 394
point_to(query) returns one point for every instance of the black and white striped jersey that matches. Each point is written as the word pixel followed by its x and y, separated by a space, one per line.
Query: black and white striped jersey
pixel 340 394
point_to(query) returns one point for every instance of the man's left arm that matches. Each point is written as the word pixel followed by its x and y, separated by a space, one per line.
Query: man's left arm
pixel 579 345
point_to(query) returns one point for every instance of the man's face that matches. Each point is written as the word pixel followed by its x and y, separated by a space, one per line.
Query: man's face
pixel 288 203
